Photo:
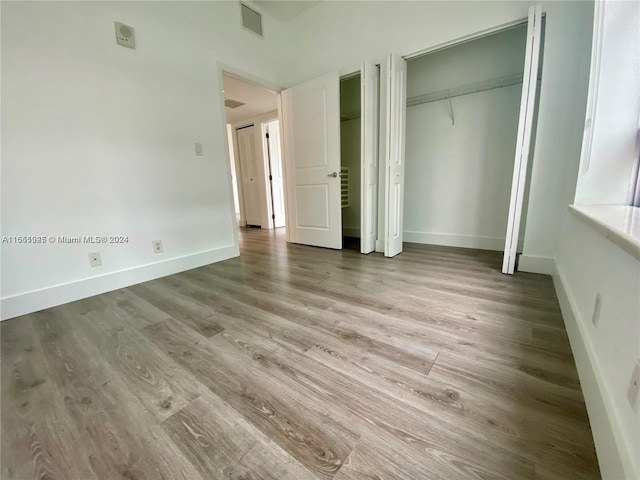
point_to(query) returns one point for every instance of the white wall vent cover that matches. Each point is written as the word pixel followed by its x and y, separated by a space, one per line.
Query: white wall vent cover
pixel 232 103
pixel 251 20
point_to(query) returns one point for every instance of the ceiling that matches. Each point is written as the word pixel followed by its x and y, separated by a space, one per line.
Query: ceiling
pixel 285 10
pixel 258 100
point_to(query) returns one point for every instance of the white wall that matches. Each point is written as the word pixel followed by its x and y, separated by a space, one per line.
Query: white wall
pixel 350 152
pixel 458 176
pixel 98 139
pixel 339 43
pixel 606 165
pixel 588 263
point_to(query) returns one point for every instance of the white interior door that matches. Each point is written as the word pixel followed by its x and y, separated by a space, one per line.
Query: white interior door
pixel 396 113
pixel 525 126
pixel 311 140
pixel 247 155
pixel 370 98
pixel 277 178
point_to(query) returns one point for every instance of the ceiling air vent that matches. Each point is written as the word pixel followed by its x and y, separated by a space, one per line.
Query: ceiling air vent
pixel 232 103
pixel 251 20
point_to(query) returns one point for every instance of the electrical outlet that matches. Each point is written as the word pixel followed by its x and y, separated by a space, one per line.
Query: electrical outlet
pixel 595 318
pixel 94 259
pixel 198 148
pixel 157 246
pixel 634 387
pixel 125 35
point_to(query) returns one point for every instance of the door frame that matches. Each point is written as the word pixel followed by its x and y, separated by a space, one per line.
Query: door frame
pixel 268 164
pixel 381 241
pixel 221 68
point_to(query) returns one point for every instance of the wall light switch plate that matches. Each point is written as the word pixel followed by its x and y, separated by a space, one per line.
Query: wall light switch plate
pixel 125 35
pixel 94 259
pixel 198 148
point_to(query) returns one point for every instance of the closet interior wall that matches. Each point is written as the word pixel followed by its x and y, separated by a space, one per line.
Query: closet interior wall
pixel 462 119
pixel 350 135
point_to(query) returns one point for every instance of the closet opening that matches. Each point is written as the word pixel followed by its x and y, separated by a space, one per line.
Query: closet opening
pixel 463 105
pixel 350 170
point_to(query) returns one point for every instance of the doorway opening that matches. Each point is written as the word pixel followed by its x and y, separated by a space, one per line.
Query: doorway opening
pixel 462 119
pixel 253 131
pixel 350 158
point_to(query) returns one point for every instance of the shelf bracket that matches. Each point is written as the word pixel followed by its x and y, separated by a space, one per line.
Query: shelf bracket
pixel 453 120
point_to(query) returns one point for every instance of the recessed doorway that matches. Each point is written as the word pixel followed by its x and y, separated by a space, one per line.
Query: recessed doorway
pixel 253 130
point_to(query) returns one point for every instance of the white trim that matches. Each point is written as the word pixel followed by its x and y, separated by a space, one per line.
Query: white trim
pixel 453 240
pixel 594 82
pixel 614 458
pixel 620 224
pixel 24 303
pixel 537 264
pixel 227 156
pixel 257 119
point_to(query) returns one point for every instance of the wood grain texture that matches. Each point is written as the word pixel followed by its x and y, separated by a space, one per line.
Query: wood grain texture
pixel 293 362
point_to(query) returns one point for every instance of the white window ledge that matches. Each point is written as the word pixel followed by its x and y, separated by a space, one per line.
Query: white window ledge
pixel 620 224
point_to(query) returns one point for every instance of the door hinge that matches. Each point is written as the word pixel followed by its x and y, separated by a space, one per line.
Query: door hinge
pixel 270 178
pixel 267 134
pixel 273 217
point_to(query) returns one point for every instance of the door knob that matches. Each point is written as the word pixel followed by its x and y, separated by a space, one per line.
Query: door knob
pixel 334 174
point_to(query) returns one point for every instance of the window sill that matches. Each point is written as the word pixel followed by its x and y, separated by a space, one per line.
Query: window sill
pixel 620 224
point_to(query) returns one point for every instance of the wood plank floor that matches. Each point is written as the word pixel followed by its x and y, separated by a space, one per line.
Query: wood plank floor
pixel 294 362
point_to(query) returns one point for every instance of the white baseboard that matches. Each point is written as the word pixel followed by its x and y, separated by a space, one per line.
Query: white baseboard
pixel 614 459
pixel 33 301
pixel 452 240
pixel 351 232
pixel 536 264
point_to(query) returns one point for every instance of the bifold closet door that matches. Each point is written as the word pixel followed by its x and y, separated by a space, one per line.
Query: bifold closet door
pixel 370 98
pixel 525 127
pixel 310 129
pixel 396 113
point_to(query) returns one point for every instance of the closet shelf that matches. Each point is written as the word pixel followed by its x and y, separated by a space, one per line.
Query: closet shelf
pixel 493 83
pixel 481 86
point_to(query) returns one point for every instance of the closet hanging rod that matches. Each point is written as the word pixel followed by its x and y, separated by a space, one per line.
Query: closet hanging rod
pixel 493 83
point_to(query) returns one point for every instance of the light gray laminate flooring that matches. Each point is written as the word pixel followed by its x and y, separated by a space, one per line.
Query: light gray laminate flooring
pixel 293 362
